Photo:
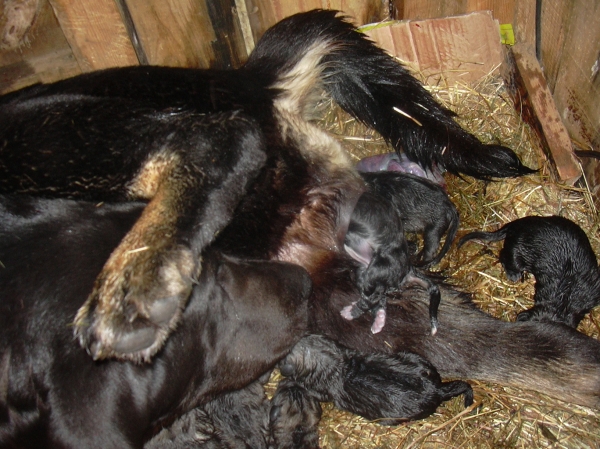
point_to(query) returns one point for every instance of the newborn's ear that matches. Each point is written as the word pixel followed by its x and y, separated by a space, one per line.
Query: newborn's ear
pixel 359 249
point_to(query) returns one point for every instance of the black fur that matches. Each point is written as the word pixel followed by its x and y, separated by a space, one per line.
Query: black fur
pixel 52 394
pixel 44 242
pixel 375 238
pixel 171 135
pixel 387 388
pixel 233 420
pixel 294 417
pixel 424 207
pixel 365 81
pixel 558 254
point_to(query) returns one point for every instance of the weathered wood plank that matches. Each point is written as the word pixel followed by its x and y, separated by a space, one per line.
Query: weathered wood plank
pixel 44 57
pixel 524 23
pixel 577 86
pixel 264 13
pixel 502 10
pixel 577 81
pixel 189 33
pixel 554 27
pixel 95 33
pixel 546 119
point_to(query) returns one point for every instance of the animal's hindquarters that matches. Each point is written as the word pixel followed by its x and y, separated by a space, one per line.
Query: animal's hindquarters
pixel 546 357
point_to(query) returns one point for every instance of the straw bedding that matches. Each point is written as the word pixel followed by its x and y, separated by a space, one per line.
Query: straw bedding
pixel 501 417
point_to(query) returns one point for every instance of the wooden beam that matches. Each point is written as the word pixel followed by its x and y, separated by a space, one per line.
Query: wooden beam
pixel 95 32
pixel 534 95
pixel 524 24
pixel 263 14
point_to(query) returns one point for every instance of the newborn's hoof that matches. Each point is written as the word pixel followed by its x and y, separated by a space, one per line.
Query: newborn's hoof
pixel 525 315
pixel 379 321
pixel 353 311
pixel 131 311
pixel 348 312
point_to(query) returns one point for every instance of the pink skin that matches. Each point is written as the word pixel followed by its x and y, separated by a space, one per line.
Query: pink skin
pixel 363 255
pixel 399 163
pixel 378 322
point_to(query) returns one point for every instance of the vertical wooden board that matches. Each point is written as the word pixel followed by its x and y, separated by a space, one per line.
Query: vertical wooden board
pixel 479 5
pixel 420 10
pixel 95 32
pixel 502 10
pixel 189 33
pixel 45 57
pixel 164 31
pixel 524 22
pixel 262 14
pixel 554 27
pixel 229 47
pixel 577 87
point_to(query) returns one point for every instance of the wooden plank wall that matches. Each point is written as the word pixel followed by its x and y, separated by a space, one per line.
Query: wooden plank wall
pixel 570 56
pixel 97 36
pixel 569 50
pixel 43 54
pixel 264 13
pixel 89 35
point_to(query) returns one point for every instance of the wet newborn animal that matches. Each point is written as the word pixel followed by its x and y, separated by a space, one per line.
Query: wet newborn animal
pixel 424 208
pixel 387 388
pixel 375 238
pixel 558 254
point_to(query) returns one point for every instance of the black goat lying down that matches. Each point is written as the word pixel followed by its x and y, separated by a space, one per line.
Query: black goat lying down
pixel 559 255
pixel 206 146
pixel 53 394
pixel 242 317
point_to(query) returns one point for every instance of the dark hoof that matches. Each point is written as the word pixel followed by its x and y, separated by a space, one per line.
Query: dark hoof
pixel 513 276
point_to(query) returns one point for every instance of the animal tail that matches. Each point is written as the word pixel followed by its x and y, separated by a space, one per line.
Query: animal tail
pixel 319 50
pixel 546 357
pixel 450 236
pixel 494 236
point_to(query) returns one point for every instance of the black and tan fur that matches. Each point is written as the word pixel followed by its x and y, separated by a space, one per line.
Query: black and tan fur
pixel 242 317
pixel 194 143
